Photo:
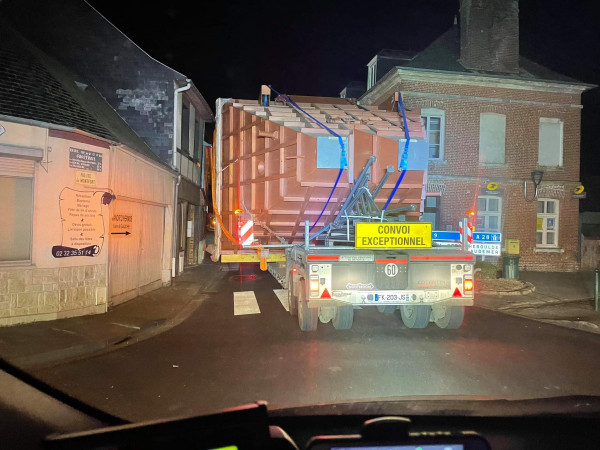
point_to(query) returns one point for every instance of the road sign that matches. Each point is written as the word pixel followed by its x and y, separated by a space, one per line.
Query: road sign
pixel 485 249
pixel 445 235
pixel 393 235
pixel 487 237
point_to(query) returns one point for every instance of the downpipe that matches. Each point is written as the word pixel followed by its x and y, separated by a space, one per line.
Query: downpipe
pixel 174 164
pixel 174 247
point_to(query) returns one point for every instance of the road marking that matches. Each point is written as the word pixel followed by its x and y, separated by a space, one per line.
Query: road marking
pixel 245 303
pixel 282 295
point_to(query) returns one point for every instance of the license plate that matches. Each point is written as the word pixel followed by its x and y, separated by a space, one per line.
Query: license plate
pixel 391 297
pixel 386 297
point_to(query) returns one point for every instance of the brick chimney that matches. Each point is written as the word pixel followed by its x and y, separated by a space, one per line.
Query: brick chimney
pixel 489 35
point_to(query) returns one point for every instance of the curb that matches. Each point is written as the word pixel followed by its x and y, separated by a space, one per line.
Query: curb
pixel 96 348
pixel 525 289
pixel 578 324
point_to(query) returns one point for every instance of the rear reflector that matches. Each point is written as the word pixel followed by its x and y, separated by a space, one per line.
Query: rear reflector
pixel 468 285
pixel 314 284
pixel 325 294
pixel 323 258
pixel 457 293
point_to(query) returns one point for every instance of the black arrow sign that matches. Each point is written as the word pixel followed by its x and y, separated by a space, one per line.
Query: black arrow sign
pixel 126 233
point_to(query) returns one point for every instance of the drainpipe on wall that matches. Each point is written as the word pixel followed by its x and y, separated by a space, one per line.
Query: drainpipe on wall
pixel 175 237
pixel 175 120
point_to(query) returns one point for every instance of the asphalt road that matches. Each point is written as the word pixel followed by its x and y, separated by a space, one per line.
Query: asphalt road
pixel 216 359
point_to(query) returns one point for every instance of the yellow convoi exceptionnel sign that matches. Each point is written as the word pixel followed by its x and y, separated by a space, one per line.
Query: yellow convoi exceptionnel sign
pixel 393 235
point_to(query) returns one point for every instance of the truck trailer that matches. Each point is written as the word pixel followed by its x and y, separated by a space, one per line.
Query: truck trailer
pixel 328 195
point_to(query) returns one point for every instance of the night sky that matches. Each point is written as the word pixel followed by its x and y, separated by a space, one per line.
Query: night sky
pixel 317 47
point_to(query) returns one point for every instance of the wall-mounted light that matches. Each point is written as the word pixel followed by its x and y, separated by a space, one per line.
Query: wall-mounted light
pixel 536 177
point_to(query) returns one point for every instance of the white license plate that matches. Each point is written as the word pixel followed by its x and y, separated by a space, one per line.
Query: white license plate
pixel 386 297
pixel 392 297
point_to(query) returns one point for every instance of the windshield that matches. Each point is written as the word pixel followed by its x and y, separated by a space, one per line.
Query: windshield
pixel 299 204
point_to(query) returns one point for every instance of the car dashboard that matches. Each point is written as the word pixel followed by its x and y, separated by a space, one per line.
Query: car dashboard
pixel 34 415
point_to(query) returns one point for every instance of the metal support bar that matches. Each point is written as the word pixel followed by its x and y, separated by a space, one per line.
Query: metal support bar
pixel 411 207
pixel 306 235
pixel 388 172
pixel 596 292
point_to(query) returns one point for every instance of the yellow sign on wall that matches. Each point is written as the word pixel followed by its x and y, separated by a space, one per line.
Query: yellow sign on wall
pixel 393 235
pixel 85 178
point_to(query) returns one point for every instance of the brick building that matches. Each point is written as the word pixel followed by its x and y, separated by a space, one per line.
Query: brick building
pixel 493 116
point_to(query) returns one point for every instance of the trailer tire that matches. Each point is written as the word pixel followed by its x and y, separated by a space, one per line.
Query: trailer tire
pixel 308 318
pixel 452 319
pixel 292 295
pixel 343 317
pixel 386 309
pixel 415 316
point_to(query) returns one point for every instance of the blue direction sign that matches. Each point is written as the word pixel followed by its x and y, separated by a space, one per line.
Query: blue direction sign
pixel 487 237
pixel 445 235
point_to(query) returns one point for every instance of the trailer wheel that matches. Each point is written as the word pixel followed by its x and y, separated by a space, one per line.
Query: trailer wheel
pixel 292 295
pixel 415 316
pixel 386 309
pixel 450 317
pixel 343 317
pixel 307 317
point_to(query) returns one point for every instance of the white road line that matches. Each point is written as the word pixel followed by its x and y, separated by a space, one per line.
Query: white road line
pixel 282 295
pixel 245 303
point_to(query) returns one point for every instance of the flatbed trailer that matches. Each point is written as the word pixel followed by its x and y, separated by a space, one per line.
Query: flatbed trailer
pixel 347 170
pixel 328 283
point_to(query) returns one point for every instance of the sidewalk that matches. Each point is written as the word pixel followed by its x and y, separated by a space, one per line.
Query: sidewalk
pixel 565 299
pixel 42 344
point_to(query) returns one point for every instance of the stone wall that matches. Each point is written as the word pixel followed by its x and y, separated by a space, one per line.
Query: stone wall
pixel 30 294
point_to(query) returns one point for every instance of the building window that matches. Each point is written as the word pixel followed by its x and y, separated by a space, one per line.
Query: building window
pixel 492 138
pixel 547 223
pixel 489 214
pixel 197 140
pixel 16 204
pixel 550 145
pixel 372 75
pixel 431 211
pixel 433 120
pixel 185 129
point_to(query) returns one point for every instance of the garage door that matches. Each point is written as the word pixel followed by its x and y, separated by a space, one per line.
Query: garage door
pixel 135 258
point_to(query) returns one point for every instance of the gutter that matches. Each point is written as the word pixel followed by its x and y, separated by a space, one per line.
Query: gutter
pixel 217 170
pixel 175 114
pixel 175 240
pixel 174 255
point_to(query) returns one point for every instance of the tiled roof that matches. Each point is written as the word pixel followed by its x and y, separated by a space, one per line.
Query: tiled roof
pixel 34 86
pixel 444 54
pixel 339 117
pixel 29 91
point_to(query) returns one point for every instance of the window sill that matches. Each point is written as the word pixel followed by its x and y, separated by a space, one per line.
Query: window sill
pixel 549 250
pixel 494 165
pixel 547 168
pixel 438 161
pixel 15 264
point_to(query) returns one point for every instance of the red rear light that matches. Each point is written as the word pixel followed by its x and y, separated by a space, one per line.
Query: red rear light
pixel 294 269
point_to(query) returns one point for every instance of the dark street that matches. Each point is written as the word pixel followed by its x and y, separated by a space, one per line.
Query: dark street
pixel 216 359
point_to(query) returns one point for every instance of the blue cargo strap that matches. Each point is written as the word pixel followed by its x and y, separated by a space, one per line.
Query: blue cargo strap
pixel 343 158
pixel 404 160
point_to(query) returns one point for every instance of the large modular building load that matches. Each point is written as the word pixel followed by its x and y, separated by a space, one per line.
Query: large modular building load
pixel 278 165
pixel 328 195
